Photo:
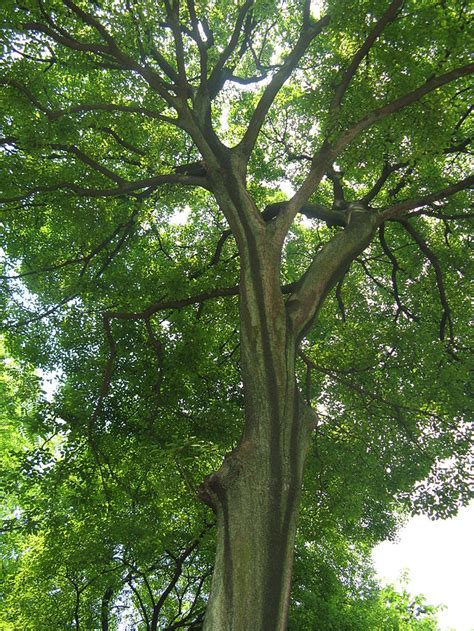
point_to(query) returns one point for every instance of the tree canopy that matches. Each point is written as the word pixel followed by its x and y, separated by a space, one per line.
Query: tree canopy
pixel 219 217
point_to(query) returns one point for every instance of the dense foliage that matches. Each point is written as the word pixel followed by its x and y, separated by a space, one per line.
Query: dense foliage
pixel 81 552
pixel 120 284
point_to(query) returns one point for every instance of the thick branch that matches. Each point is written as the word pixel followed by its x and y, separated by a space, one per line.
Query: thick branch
pixel 336 180
pixel 327 268
pixel 394 106
pixel 201 44
pixel 399 209
pixel 387 171
pixel 389 15
pixel 63 37
pixel 172 10
pixel 433 211
pixel 87 18
pixel 219 247
pixel 307 35
pixel 331 216
pixel 86 159
pixel 104 608
pixel 167 305
pixel 215 79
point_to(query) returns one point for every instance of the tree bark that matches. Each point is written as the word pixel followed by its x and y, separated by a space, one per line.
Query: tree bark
pixel 255 493
pixel 104 609
pixel 256 496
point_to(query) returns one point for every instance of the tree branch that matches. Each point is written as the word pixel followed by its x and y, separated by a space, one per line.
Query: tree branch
pixel 332 216
pixel 85 259
pixel 329 265
pixel 328 152
pixel 395 268
pixel 44 314
pixel 387 171
pixel 158 348
pixel 371 396
pixel 433 259
pixel 121 141
pixel 61 36
pixel 149 184
pixel 201 44
pixel 389 15
pixel 363 263
pixel 216 76
pixel 112 107
pixel 106 379
pixel 179 561
pixel 340 301
pixel 402 207
pixel 336 180
pixel 111 48
pixel 394 106
pixel 86 159
pixel 172 10
pixel 167 305
pixel 87 107
pixel 246 145
pixel 141 604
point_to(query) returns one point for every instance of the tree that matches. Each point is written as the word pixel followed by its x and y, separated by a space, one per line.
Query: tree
pixel 124 120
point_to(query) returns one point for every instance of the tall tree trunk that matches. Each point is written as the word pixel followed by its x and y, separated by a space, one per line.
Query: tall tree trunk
pixel 256 491
pixel 256 496
pixel 104 608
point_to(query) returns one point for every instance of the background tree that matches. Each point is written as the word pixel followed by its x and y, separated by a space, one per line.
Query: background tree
pixel 146 148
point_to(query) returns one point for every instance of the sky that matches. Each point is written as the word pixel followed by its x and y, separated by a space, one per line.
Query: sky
pixel 439 557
